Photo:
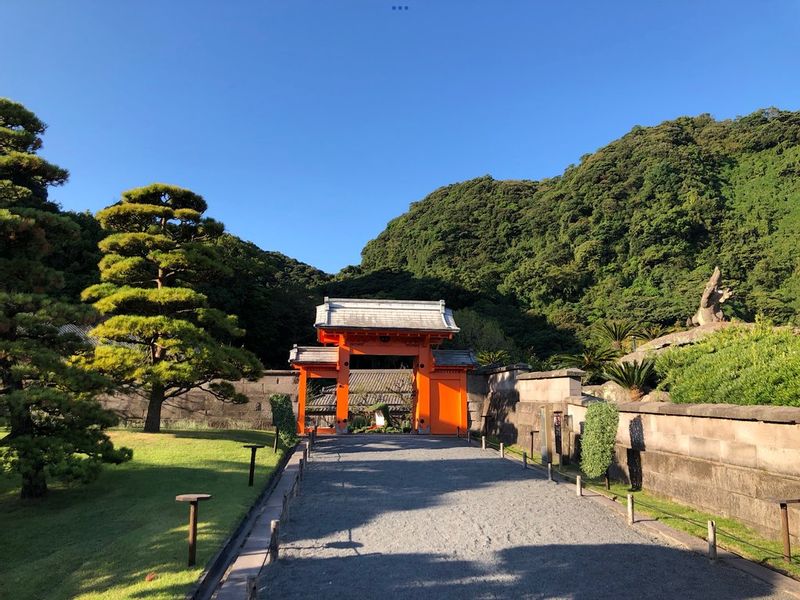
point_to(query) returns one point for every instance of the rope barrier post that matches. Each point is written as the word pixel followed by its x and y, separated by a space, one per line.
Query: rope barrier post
pixel 483 442
pixel 578 489
pixel 302 463
pixel 502 450
pixel 712 540
pixel 787 544
pixel 252 588
pixel 524 459
pixel 307 453
pixel 274 526
pixel 630 509
pixel 549 471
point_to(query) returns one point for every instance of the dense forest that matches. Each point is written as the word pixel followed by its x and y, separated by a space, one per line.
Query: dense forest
pixel 632 232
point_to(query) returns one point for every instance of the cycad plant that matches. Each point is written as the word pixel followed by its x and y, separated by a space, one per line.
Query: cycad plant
pixel 592 361
pixel 634 376
pixel 617 333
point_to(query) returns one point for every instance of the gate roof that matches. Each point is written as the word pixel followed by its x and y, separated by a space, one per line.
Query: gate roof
pixel 337 314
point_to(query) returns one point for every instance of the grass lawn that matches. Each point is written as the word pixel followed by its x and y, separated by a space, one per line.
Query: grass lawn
pixel 732 535
pixel 101 540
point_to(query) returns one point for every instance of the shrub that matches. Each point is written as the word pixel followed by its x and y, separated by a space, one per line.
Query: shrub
pixel 738 365
pixel 597 442
pixel 283 417
pixel 633 376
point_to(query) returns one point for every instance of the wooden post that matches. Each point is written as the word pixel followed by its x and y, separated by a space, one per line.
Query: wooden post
pixel 524 459
pixel 193 500
pixel 578 489
pixel 502 450
pixel 308 451
pixel 549 471
pixel 483 442
pixel 273 540
pixel 630 509
pixel 285 509
pixel 712 540
pixel 787 543
pixel 275 441
pixel 458 432
pixel 469 437
pixel 532 432
pixel 253 449
pixel 302 462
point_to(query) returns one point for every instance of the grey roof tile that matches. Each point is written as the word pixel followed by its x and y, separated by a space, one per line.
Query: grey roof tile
pixel 359 313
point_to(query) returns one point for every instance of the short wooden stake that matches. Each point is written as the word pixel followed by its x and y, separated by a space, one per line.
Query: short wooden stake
pixel 483 442
pixel 301 464
pixel 549 471
pixel 275 441
pixel 307 452
pixel 712 540
pixel 458 432
pixel 469 437
pixel 502 450
pixel 193 500
pixel 630 509
pixel 787 543
pixel 273 540
pixel 578 489
pixel 285 509
pixel 524 459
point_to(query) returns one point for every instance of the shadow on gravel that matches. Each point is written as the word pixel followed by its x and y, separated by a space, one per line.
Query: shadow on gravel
pixel 553 571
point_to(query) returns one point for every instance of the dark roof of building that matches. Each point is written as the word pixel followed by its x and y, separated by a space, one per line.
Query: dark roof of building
pixel 454 358
pixel 394 387
pixel 314 355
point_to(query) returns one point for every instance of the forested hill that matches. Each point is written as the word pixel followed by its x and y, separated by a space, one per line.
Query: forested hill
pixel 633 231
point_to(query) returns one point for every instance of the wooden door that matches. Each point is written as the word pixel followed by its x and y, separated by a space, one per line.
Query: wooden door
pixel 446 406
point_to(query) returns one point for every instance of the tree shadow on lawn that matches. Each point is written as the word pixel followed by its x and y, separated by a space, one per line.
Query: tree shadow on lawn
pixel 585 572
pixel 114 531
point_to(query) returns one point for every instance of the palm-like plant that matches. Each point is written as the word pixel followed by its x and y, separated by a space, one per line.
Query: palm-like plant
pixel 634 376
pixel 650 331
pixel 616 333
pixel 493 357
pixel 590 360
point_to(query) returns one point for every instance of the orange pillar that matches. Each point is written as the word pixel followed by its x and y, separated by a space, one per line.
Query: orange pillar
pixel 301 401
pixel 424 367
pixel 464 401
pixel 342 389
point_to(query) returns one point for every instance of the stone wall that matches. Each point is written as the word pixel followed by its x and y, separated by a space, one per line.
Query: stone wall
pixel 730 461
pixel 200 406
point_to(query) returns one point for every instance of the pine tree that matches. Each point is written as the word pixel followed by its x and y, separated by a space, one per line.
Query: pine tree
pixel 161 338
pixel 55 424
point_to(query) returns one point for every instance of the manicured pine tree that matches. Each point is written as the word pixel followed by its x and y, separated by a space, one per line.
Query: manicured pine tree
pixel 161 338
pixel 55 426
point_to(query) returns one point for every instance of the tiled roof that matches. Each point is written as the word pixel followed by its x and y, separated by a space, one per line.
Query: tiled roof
pixel 393 387
pixel 415 315
pixel 314 354
pixel 454 358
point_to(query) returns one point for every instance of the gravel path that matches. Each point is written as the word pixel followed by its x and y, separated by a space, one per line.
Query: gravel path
pixel 422 517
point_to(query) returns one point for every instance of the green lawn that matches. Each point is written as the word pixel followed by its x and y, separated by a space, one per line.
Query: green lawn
pixel 732 535
pixel 101 540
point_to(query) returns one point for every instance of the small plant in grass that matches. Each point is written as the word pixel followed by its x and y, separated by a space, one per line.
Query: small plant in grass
pixel 283 418
pixel 599 436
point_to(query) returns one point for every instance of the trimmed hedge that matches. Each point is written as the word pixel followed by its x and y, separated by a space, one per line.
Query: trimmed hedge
pixel 283 417
pixel 737 365
pixel 599 435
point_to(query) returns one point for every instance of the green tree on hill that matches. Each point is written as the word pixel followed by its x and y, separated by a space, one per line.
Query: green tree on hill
pixel 161 338
pixel 56 427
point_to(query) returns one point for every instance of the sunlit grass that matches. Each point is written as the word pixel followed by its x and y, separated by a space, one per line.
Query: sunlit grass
pixel 103 539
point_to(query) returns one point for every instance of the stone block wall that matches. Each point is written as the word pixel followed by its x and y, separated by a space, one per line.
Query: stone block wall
pixel 200 406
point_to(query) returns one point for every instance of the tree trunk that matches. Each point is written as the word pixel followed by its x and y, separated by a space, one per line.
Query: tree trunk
pixel 34 483
pixel 152 423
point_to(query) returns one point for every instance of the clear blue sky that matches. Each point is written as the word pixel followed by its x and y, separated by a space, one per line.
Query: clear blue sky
pixel 307 125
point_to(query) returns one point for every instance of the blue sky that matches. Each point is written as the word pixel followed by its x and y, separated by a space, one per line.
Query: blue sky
pixel 307 125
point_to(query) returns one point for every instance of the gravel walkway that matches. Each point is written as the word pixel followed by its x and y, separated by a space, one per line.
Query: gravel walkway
pixel 396 517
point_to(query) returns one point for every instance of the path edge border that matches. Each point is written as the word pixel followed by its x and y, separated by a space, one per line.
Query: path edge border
pixel 206 584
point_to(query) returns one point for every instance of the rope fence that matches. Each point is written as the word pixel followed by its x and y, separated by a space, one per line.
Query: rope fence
pixel 710 526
